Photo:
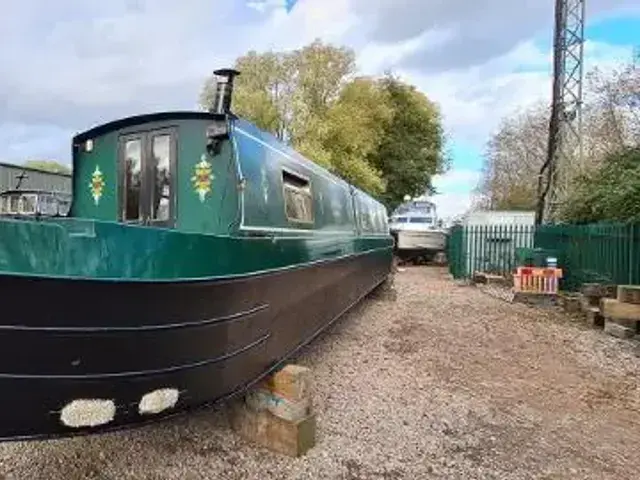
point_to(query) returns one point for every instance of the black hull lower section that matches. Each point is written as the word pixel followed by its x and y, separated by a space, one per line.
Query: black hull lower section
pixel 100 342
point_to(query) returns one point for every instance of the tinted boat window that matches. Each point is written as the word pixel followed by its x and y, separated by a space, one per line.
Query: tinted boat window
pixel 365 218
pixel 132 179
pixel 160 150
pixel 298 199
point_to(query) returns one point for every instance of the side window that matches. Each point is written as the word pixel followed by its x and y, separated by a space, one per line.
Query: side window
pixel 298 198
pixel 377 219
pixel 385 220
pixel 365 217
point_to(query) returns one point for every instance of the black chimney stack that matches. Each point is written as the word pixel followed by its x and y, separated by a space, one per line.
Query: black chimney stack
pixel 224 90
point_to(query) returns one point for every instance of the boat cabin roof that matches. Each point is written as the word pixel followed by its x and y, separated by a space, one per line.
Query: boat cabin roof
pixel 203 172
pixel 145 118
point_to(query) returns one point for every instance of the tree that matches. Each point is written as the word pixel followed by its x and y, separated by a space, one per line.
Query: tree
pixel 282 92
pixel 351 131
pixel 610 193
pixel 379 134
pixel 512 160
pixel 517 150
pixel 48 166
pixel 305 98
pixel 412 146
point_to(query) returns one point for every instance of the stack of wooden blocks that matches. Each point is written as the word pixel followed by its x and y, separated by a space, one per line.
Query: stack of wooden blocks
pixel 592 295
pixel 622 314
pixel 277 413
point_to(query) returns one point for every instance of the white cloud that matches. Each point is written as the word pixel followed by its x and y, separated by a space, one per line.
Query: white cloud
pixel 457 180
pixel 265 5
pixel 70 64
pixel 473 100
pixel 456 187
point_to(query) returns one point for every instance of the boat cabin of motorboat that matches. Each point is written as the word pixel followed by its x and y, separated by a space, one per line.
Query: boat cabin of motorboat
pixel 417 230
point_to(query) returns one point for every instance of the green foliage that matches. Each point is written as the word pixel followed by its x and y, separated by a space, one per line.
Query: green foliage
pixel 610 193
pixel 48 166
pixel 412 147
pixel 383 136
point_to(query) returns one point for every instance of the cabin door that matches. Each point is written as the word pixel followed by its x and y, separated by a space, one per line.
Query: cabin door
pixel 147 177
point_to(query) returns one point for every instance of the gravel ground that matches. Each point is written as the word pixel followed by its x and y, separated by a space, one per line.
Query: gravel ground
pixel 447 382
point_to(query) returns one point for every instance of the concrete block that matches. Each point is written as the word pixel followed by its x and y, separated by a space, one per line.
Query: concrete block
pixel 617 330
pixel 615 309
pixel 267 430
pixel 629 294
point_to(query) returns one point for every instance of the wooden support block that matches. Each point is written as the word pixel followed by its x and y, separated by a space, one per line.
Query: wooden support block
pixel 292 382
pixel 265 429
pixel 598 290
pixel 259 399
pixel 571 303
pixel 629 294
pixel 616 330
pixel 490 279
pixel 594 317
pixel 586 302
pixel 616 309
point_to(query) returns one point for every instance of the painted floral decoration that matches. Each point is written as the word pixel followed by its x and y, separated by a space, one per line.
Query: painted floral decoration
pixel 97 185
pixel 202 178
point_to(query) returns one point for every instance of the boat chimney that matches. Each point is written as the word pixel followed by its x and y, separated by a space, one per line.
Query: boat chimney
pixel 224 90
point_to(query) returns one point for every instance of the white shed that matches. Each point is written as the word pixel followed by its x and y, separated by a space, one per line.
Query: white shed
pixel 492 237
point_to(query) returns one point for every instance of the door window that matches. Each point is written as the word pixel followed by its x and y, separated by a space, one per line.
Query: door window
pixel 148 166
pixel 161 154
pixel 132 179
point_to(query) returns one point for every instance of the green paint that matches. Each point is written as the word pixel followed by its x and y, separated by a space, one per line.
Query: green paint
pixel 212 236
pixel 85 163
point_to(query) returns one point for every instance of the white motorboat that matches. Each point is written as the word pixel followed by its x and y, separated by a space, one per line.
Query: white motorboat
pixel 417 231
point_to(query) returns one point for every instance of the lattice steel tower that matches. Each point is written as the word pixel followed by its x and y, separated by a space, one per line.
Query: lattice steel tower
pixel 565 125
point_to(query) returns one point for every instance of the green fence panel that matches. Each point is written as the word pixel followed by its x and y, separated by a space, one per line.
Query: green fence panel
pixel 604 253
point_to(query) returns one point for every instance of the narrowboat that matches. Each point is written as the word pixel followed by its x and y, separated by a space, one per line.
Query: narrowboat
pixel 417 231
pixel 198 254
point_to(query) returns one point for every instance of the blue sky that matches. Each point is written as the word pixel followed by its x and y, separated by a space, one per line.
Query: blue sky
pixel 611 30
pixel 71 64
pixel 621 31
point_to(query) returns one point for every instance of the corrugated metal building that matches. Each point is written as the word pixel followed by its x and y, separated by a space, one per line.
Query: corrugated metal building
pixel 32 179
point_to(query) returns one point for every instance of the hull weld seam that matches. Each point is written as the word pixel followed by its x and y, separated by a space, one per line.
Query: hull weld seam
pixel 141 328
pixel 143 373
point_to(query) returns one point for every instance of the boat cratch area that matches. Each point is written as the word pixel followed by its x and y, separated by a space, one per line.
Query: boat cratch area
pixel 198 253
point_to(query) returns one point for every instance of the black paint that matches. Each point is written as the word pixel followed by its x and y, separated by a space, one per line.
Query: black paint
pixel 66 339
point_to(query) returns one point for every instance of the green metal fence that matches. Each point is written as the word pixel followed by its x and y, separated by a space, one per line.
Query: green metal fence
pixel 586 253
pixel 594 253
pixel 486 248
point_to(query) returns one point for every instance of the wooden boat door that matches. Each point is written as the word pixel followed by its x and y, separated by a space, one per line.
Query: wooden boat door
pixel 147 163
